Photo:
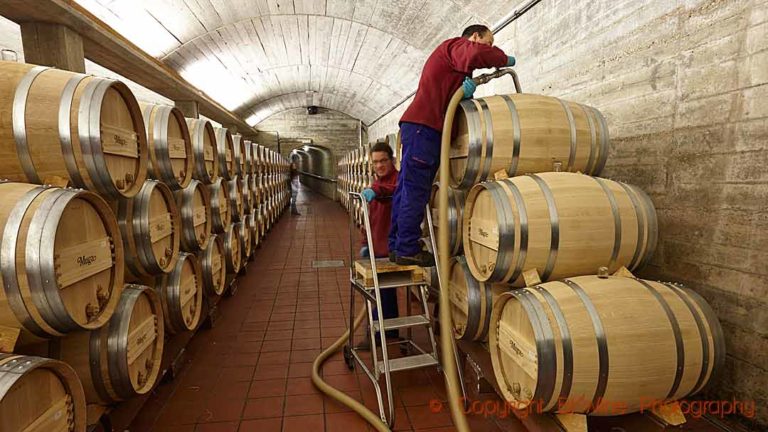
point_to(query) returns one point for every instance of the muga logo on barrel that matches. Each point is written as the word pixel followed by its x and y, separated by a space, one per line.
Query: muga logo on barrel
pixel 86 260
pixel 120 141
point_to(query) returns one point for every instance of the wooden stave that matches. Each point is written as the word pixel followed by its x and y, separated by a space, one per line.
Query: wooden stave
pixel 83 163
pixel 132 216
pixel 215 244
pixel 14 367
pixel 478 114
pixel 49 316
pixel 541 305
pixel 219 191
pixel 226 147
pixel 168 287
pixel 510 270
pixel 156 121
pixel 184 201
pixel 198 129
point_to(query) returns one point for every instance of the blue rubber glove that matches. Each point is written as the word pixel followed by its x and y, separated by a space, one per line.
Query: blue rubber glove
pixel 368 194
pixel 364 252
pixel 510 61
pixel 469 87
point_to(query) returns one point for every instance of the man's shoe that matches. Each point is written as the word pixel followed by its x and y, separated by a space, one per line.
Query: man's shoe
pixel 421 259
pixel 392 257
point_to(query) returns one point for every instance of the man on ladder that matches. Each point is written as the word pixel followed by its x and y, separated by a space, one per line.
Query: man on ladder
pixel 449 66
pixel 379 198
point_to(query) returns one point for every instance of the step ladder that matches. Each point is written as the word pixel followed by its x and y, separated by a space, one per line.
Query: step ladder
pixel 369 277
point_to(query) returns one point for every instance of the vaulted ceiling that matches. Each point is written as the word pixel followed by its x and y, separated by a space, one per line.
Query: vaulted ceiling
pixel 260 57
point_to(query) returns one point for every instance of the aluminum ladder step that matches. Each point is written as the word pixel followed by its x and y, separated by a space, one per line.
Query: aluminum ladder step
pixel 402 322
pixel 410 362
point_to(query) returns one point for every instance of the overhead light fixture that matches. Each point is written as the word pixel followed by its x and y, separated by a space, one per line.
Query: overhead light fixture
pixel 132 21
pixel 216 81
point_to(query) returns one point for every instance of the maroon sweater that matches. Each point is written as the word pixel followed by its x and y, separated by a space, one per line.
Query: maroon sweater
pixel 380 213
pixel 443 73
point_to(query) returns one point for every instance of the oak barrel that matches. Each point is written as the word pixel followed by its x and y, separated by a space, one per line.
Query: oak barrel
pixel 213 265
pixel 258 158
pixel 253 230
pixel 181 294
pixel 245 155
pixel 220 211
pixel 206 154
pixel 253 186
pixel 471 302
pixel 24 407
pixel 393 140
pixel 456 198
pixel 525 133
pixel 561 224
pixel 233 256
pixel 246 245
pixel 225 147
pixel 171 158
pixel 194 203
pixel 245 180
pixel 151 229
pixel 235 198
pixel 83 129
pixel 591 344
pixel 61 261
pixel 122 359
pixel 238 144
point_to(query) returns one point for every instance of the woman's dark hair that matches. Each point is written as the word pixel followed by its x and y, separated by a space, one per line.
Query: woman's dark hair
pixel 476 28
pixel 382 147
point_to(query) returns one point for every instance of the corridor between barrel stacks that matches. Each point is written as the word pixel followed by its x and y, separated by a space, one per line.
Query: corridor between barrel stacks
pixel 251 372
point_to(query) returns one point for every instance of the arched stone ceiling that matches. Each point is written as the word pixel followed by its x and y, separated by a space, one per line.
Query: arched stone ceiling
pixel 260 57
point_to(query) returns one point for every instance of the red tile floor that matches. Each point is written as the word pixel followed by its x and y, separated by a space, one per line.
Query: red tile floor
pixel 251 372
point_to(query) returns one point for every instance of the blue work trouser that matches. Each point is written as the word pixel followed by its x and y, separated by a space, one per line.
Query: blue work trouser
pixel 388 306
pixel 418 167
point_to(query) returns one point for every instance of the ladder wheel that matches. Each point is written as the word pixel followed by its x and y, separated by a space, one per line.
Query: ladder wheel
pixel 348 358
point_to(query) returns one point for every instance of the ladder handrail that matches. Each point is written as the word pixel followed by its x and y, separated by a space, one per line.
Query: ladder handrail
pixel 380 314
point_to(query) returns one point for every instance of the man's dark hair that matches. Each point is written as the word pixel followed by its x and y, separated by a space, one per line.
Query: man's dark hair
pixel 382 147
pixel 475 28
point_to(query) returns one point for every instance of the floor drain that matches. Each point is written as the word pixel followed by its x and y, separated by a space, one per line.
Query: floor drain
pixel 327 263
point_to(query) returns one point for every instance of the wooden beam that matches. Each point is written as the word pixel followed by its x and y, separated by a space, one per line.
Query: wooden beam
pixel 53 45
pixel 190 108
pixel 103 45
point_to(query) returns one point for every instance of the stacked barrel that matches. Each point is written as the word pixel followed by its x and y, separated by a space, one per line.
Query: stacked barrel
pixel 355 173
pixel 120 220
pixel 543 251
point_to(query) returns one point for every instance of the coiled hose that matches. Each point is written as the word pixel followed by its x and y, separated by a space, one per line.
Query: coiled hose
pixel 340 396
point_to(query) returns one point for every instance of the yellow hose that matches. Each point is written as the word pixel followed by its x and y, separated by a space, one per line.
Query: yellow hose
pixel 341 397
pixel 446 329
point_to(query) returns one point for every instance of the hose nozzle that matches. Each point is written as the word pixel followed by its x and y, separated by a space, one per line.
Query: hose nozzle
pixel 485 78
